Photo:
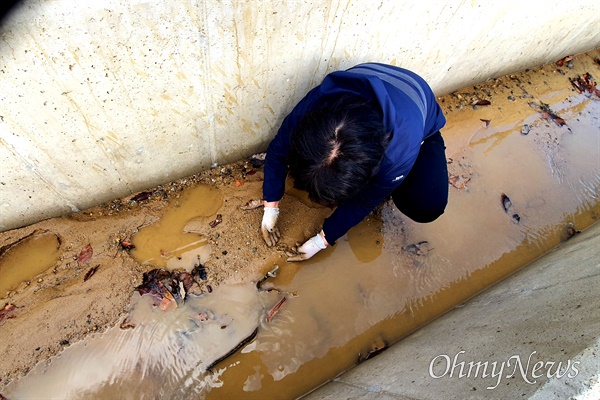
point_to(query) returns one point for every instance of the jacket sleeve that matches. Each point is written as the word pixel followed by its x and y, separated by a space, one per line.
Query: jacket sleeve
pixel 276 159
pixel 353 211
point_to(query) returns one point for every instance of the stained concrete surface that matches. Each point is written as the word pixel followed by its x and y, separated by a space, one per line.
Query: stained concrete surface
pixel 547 312
pixel 100 99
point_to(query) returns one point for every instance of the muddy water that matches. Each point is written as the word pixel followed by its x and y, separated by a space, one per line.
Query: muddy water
pixel 166 244
pixel 29 257
pixel 385 279
pixel 153 353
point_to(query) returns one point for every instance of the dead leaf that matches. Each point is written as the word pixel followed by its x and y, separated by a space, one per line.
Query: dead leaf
pixel 585 83
pixel 85 255
pixel 487 122
pixel 91 272
pixel 547 114
pixel 168 302
pixel 481 103
pixel 562 61
pixel 274 310
pixel 217 221
pixel 126 245
pixel 141 196
pixel 238 183
pixel 458 181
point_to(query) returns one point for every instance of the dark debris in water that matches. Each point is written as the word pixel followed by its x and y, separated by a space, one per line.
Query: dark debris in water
pixel 546 113
pixel 233 351
pixel 376 348
pixel 271 274
pixel 571 231
pixel 418 249
pixel 508 206
pixel 200 272
pixel 169 288
pixel 506 203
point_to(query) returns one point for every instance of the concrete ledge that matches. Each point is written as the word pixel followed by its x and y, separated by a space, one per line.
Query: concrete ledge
pixel 547 312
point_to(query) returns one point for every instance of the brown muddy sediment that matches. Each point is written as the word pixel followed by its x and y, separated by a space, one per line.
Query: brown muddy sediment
pixel 375 286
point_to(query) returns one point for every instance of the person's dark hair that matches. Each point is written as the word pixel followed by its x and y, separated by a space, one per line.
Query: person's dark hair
pixel 337 148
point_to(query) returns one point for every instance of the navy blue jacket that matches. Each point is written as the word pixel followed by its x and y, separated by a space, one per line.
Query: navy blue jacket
pixel 410 112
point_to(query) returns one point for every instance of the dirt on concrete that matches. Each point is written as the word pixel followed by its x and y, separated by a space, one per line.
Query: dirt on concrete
pixel 80 294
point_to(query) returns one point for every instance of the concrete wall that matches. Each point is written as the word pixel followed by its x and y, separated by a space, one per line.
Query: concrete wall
pixel 102 98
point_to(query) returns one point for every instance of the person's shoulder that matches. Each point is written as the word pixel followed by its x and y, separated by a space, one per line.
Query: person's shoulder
pixel 377 67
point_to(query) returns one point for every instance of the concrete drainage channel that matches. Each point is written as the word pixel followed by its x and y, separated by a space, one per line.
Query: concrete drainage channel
pixel 386 279
pixel 104 99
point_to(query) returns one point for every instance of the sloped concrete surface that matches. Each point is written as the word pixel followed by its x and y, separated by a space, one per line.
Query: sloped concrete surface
pixel 538 331
pixel 101 99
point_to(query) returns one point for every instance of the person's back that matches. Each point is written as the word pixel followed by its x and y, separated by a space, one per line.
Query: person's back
pixel 362 135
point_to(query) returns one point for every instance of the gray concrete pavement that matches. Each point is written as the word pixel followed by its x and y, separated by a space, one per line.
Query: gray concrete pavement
pixel 534 335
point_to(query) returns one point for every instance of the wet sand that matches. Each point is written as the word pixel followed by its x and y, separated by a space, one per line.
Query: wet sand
pixel 514 146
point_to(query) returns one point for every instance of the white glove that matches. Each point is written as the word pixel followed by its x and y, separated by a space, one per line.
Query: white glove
pixel 268 226
pixel 311 247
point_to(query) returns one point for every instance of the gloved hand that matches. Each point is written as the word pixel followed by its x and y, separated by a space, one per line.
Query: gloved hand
pixel 311 247
pixel 268 226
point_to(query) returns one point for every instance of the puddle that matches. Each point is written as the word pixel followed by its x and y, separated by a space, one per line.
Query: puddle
pixel 166 244
pixel 30 256
pixel 385 279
